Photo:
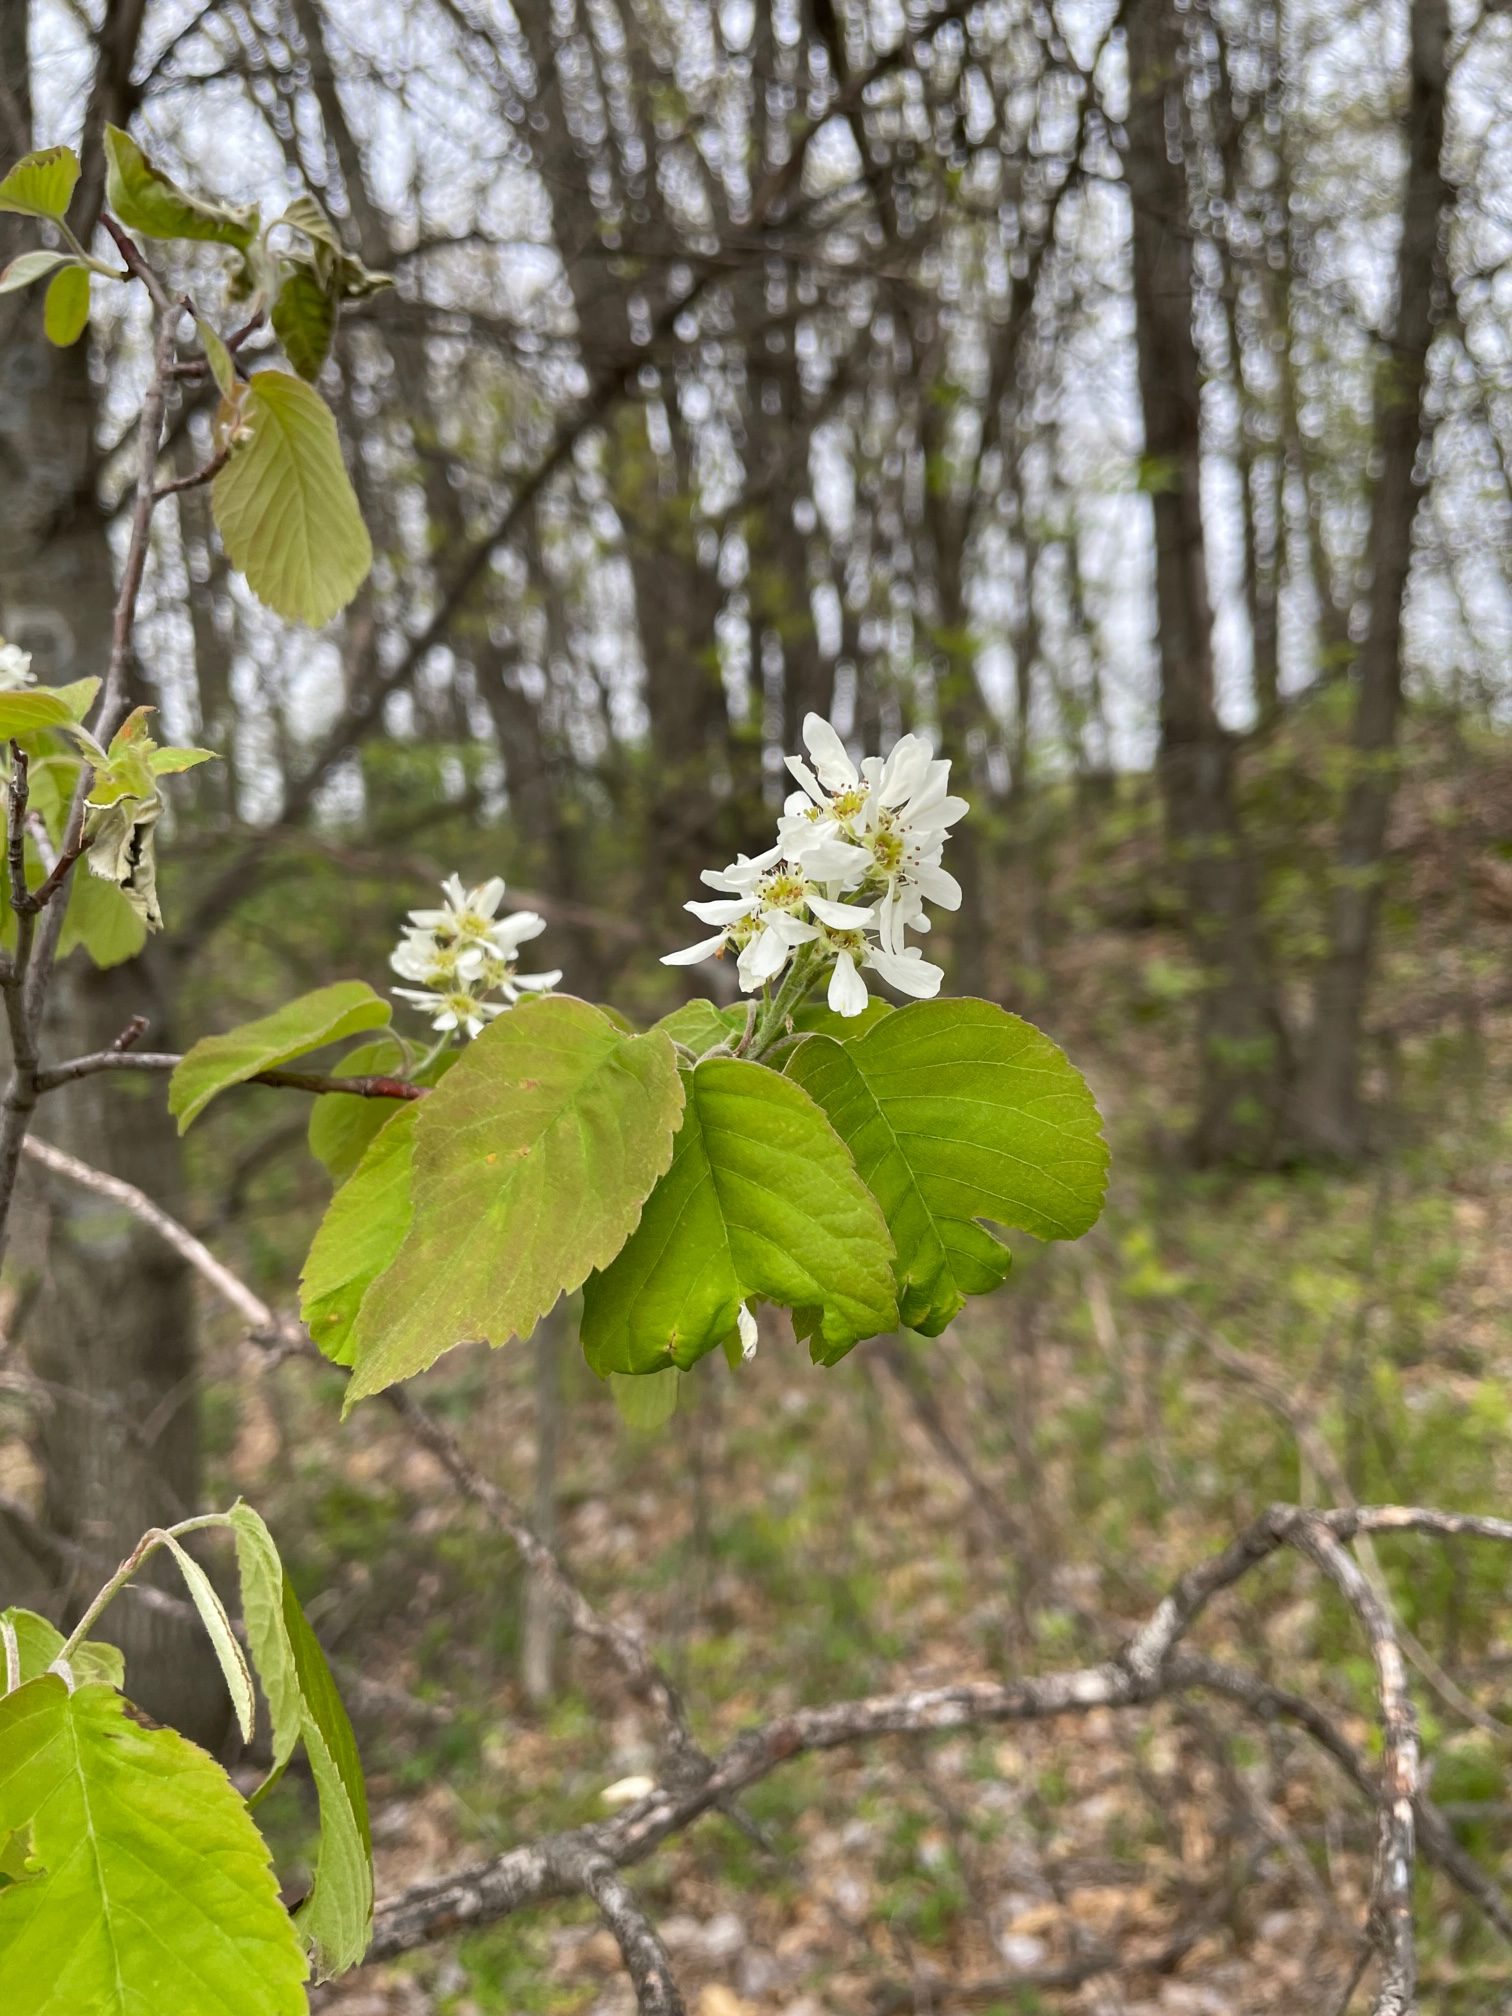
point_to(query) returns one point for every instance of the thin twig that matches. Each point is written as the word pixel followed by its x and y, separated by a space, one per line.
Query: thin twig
pixel 368 1086
pixel 1147 1668
pixel 196 477
pixel 28 973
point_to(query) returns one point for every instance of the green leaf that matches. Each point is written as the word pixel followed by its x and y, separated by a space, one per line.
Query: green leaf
pixel 762 1198
pixel 308 1023
pixel 212 1614
pixel 307 215
pixel 218 357
pixel 646 1403
pixel 144 199
pixel 957 1112
pixel 285 509
pixel 362 1231
pixel 65 313
pixel 30 708
pixel 38 1643
pixel 78 696
pixel 148 1887
pixel 41 184
pixel 532 1159
pixel 701 1026
pixel 305 1707
pixel 34 266
pixel 172 762
pixel 343 1123
pixel 101 920
pixel 121 842
pixel 816 1018
pixel 304 320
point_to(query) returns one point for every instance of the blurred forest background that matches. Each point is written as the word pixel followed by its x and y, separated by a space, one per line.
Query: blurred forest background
pixel 1123 397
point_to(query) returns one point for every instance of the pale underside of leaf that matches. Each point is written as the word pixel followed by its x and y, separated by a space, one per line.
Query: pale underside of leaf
pixel 285 507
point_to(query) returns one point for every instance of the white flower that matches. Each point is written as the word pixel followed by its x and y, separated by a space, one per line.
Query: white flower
pixel 15 668
pixel 774 908
pixel 858 854
pixel 457 1009
pixel 463 953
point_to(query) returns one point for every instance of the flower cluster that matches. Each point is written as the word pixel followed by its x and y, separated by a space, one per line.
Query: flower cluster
pixel 462 954
pixel 15 668
pixel 857 857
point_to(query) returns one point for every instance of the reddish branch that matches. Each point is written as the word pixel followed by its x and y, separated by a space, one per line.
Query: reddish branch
pixel 372 1086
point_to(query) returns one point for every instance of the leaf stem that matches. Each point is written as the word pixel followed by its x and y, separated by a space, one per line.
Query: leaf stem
pixel 151 1540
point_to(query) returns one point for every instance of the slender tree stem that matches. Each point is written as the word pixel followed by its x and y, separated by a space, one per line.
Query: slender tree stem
pixel 27 975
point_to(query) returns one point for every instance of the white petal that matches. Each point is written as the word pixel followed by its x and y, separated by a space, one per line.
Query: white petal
pixel 847 990
pixel 906 971
pixel 428 920
pixel 447 1019
pixel 906 768
pixel 745 1324
pixel 724 911
pixel 517 929
pixel 833 764
pixel 536 983
pixel 692 954
pixel 939 886
pixel 840 916
pixel 765 956
pixel 625 1791
pixel 835 861
pixel 487 897
pixel 810 784
pixel 454 893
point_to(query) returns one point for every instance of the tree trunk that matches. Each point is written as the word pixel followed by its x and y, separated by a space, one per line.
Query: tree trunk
pixel 1329 1117
pixel 110 1327
pixel 1242 1050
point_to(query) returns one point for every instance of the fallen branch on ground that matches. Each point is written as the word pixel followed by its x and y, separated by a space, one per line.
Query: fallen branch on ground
pixel 584 1861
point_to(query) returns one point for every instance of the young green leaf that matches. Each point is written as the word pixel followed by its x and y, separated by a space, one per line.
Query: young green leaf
pixel 646 1403
pixel 305 1707
pixel 532 1159
pixel 308 1023
pixel 38 1643
pixel 343 1123
pixel 65 313
pixel 41 184
pixel 304 320
pixel 212 1614
pixel 815 1018
pixel 285 508
pixel 100 918
pixel 362 1231
pixel 121 848
pixel 700 1025
pixel 144 199
pixel 218 357
pixel 31 708
pixel 31 267
pixel 762 1198
pixel 957 1112
pixel 148 1887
